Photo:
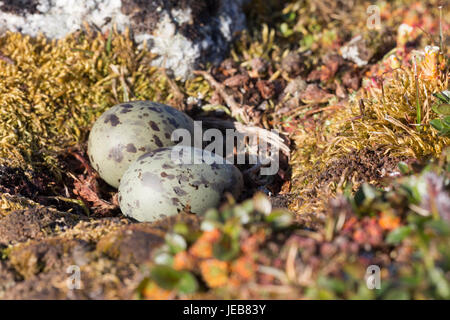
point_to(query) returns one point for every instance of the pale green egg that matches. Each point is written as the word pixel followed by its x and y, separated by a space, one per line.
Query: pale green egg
pixel 128 130
pixel 160 184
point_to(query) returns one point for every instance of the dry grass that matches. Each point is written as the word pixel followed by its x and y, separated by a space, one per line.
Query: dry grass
pixel 389 119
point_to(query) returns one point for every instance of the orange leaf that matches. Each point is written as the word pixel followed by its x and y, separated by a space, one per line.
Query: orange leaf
pixel 214 272
pixel 183 261
pixel 388 221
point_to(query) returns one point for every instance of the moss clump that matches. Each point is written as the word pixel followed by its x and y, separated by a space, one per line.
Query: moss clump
pixel 391 116
pixel 52 91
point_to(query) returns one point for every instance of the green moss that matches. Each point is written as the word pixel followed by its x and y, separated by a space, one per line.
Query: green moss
pixel 54 90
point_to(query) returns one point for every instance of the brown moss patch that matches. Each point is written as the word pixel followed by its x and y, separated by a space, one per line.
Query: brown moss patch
pixel 35 223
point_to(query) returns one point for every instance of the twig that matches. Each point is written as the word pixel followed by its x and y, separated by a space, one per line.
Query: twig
pixel 314 111
pixel 276 273
pixel 268 136
pixel 416 78
pixel 179 96
pixel 290 262
pixel 121 75
pixel 362 107
pixel 441 34
pixel 83 190
pixel 74 201
pixel 83 162
pixel 236 110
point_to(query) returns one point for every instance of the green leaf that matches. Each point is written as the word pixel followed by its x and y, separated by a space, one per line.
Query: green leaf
pixel 404 168
pixel 443 109
pixel 247 205
pixel 227 248
pixel 292 15
pixel 397 294
pixel 437 124
pixel 445 132
pixel 447 121
pixel 398 235
pixel 441 227
pixel 170 279
pixel 333 284
pixel 212 215
pixel 164 258
pixel 280 218
pixel 365 195
pixel 285 31
pixel 443 126
pixel 242 214
pixel 261 203
pixel 187 283
pixel 444 96
pixel 208 225
pixel 109 42
pixel 226 213
pixel 307 41
pixel 175 242
pixel 232 228
pixel 441 283
pixel 181 228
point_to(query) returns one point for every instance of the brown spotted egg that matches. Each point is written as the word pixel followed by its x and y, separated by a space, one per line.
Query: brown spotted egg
pixel 128 130
pixel 166 181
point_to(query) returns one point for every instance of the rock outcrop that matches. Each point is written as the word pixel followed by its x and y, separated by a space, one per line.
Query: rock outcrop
pixel 183 33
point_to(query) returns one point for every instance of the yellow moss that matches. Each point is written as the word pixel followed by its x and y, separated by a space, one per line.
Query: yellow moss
pixel 109 244
pixel 24 261
pixel 54 90
pixel 309 160
pixel 10 203
pixel 95 230
pixel 386 118
pixel 389 119
pixel 259 45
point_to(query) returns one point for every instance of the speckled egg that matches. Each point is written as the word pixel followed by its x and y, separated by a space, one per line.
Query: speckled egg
pixel 128 130
pixel 162 183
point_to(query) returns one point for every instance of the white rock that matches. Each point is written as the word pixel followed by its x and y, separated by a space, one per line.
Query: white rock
pixel 178 50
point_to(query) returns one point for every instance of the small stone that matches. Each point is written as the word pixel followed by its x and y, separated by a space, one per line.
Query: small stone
pixel 293 63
